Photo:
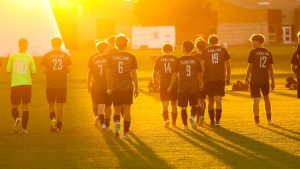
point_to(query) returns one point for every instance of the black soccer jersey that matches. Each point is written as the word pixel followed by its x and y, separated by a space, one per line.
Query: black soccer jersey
pixel 215 58
pixel 188 68
pixel 98 68
pixel 56 63
pixel 165 65
pixel 261 59
pixel 121 64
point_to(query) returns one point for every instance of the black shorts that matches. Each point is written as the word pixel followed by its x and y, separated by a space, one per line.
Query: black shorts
pixel 201 94
pixel 56 95
pixel 101 97
pixel 93 93
pixel 166 96
pixel 187 98
pixel 257 89
pixel 120 98
pixel 215 88
pixel 20 94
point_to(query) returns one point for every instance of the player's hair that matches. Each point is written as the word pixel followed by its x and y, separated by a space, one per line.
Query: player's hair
pixel 257 37
pixel 56 42
pixel 23 43
pixel 298 34
pixel 111 40
pixel 167 47
pixel 121 42
pixel 213 40
pixel 188 46
pixel 200 43
pixel 101 46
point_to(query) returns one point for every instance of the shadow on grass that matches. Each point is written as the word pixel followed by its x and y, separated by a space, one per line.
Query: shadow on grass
pixel 293 95
pixel 281 133
pixel 244 94
pixel 282 128
pixel 274 157
pixel 133 155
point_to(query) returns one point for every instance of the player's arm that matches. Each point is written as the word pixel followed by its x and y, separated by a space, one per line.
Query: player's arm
pixel 136 82
pixel 294 69
pixel 9 65
pixel 154 76
pixel 228 72
pixel 32 66
pixel 201 81
pixel 173 80
pixel 89 80
pixel 249 69
pixel 294 62
pixel 271 71
pixel 202 63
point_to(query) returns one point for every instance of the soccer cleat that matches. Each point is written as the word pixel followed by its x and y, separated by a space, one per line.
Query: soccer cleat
pixel 103 126
pixel 217 124
pixel 256 124
pixel 167 123
pixel 117 129
pixel 270 123
pixel 185 128
pixel 97 120
pixel 126 136
pixel 53 125
pixel 17 127
pixel 25 131
pixel 174 125
pixel 192 120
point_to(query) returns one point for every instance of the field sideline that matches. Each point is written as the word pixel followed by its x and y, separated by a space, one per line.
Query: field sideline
pixel 238 144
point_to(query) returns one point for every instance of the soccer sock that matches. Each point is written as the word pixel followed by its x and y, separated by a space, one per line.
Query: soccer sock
pixel 101 118
pixel 52 115
pixel 193 111
pixel 15 113
pixel 256 119
pixel 218 114
pixel 117 118
pixel 126 126
pixel 269 117
pixel 184 117
pixel 165 115
pixel 211 115
pixel 107 122
pixel 59 125
pixel 25 118
pixel 174 118
pixel 95 110
pixel 201 111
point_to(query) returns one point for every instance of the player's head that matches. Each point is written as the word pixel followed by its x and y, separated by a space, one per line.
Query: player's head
pixel 56 42
pixel 200 44
pixel 111 41
pixel 102 46
pixel 23 44
pixel 188 46
pixel 167 48
pixel 213 40
pixel 257 40
pixel 122 42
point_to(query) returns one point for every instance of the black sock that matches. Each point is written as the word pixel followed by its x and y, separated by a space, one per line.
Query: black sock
pixel 184 117
pixel 107 122
pixel 256 119
pixel 193 111
pixel 52 115
pixel 126 126
pixel 101 118
pixel 211 115
pixel 25 118
pixel 117 118
pixel 59 125
pixel 174 118
pixel 15 113
pixel 165 115
pixel 218 115
pixel 95 110
pixel 269 117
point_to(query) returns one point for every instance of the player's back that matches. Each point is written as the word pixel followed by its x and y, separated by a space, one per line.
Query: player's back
pixel 261 60
pixel 188 68
pixel 121 64
pixel 166 66
pixel 99 69
pixel 215 58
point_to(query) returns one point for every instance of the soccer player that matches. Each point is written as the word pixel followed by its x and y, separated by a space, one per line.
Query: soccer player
pixel 56 63
pixel 215 61
pixel 260 67
pixel 200 46
pixel 21 65
pixel 122 73
pixel 190 78
pixel 295 62
pixel 164 68
pixel 98 72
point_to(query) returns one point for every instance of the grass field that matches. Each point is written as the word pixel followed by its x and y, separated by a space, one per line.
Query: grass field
pixel 238 144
